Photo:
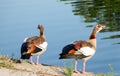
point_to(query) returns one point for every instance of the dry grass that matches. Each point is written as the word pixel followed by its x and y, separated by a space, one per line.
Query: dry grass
pixel 6 65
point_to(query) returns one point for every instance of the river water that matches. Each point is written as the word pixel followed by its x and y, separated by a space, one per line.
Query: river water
pixel 19 19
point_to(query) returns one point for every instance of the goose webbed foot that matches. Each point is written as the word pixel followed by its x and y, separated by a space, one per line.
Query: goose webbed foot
pixel 32 63
pixel 36 63
pixel 76 71
pixel 84 72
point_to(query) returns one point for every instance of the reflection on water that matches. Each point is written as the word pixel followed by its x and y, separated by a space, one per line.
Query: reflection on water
pixel 101 11
pixel 112 37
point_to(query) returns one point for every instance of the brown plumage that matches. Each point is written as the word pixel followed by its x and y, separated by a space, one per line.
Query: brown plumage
pixel 36 40
pixel 82 49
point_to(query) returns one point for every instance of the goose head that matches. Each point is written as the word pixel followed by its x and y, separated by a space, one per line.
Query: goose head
pixel 99 27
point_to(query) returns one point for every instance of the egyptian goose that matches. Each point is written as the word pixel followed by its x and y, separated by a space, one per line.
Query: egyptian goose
pixel 35 45
pixel 81 49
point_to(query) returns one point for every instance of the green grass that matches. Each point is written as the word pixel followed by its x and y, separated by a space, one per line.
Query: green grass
pixel 12 55
pixel 68 70
pixel 0 53
pixel 112 72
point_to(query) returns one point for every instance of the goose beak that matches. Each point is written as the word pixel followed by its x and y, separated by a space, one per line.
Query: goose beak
pixel 103 26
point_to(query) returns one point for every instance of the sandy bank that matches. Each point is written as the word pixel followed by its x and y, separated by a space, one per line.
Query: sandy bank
pixel 16 67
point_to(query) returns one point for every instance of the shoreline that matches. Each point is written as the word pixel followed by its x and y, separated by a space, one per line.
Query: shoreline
pixel 16 67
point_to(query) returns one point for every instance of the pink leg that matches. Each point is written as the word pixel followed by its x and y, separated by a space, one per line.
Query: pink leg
pixel 83 66
pixel 75 66
pixel 37 59
pixel 31 62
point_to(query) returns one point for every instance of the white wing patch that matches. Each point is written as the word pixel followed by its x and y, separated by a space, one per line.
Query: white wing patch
pixel 43 45
pixel 25 39
pixel 87 51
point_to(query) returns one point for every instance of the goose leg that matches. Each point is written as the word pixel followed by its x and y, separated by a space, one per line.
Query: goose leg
pixel 37 59
pixel 31 62
pixel 83 66
pixel 75 66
